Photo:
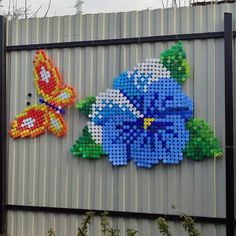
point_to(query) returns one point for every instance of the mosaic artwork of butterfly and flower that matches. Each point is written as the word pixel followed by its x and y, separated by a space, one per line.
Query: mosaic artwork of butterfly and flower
pixel 146 117
pixel 36 119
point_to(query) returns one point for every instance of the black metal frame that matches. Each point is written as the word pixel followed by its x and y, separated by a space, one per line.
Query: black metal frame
pixel 124 214
pixel 3 125
pixel 121 41
pixel 229 124
pixel 228 35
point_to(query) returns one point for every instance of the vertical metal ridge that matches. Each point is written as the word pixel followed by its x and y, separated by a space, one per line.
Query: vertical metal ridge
pixel 3 123
pixel 229 124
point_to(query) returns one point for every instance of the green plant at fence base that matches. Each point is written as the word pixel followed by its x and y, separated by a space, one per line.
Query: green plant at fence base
pixel 188 223
pixel 189 226
pixel 51 232
pixel 106 229
pixel 113 232
pixel 163 227
pixel 131 232
pixel 87 220
pixel 104 223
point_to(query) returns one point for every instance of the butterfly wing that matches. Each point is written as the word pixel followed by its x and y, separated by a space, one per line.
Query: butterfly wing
pixel 48 80
pixel 65 97
pixel 56 123
pixel 32 122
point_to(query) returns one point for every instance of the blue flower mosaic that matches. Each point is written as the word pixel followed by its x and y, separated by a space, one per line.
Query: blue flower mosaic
pixel 146 126
pixel 143 118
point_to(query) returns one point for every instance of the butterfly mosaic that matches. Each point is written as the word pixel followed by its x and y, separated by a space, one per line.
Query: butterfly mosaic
pixel 55 96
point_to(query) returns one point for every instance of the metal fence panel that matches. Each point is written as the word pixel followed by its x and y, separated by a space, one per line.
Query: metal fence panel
pixel 42 172
pixel 38 224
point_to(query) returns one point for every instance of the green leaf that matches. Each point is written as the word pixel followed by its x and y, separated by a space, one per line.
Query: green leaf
pixel 85 105
pixel 86 147
pixel 174 59
pixel 202 142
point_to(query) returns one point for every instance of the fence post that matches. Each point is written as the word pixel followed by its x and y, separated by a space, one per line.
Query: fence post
pixel 229 141
pixel 3 125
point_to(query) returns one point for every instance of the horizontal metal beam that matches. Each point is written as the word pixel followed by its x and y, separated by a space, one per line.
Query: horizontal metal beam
pixel 114 42
pixel 123 214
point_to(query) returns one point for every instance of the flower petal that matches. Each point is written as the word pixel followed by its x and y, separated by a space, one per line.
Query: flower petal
pixel 136 81
pixel 165 145
pixel 113 144
pixel 165 97
pixel 113 105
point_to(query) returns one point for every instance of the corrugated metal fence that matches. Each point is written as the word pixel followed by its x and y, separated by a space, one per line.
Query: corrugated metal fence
pixel 42 172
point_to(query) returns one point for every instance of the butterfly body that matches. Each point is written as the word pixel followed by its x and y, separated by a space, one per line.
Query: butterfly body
pixel 36 119
pixel 58 109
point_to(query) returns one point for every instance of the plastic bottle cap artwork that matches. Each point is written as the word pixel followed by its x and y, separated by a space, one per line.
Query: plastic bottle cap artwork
pixel 36 119
pixel 146 117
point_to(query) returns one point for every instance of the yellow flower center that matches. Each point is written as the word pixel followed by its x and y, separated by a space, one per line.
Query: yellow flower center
pixel 147 122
